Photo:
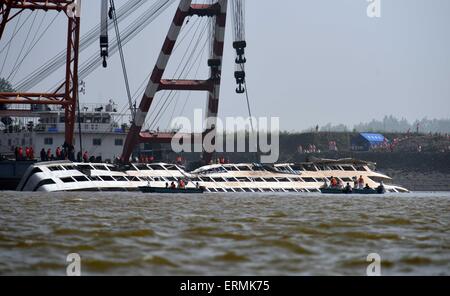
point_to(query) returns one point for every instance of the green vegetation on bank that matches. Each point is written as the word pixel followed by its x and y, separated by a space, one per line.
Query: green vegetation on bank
pixel 391 124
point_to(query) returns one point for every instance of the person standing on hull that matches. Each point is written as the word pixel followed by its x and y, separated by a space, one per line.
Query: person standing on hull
pixel 361 182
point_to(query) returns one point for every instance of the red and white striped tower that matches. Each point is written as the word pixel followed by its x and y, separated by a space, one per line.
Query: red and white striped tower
pixel 156 83
pixel 216 54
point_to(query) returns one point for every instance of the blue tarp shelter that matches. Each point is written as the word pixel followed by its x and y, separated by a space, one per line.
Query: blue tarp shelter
pixel 367 141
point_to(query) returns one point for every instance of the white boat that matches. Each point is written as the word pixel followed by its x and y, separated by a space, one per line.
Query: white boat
pixel 103 130
pixel 244 177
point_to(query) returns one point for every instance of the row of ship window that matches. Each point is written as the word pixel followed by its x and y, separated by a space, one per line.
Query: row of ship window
pixel 195 179
pixel 50 181
pixel 169 167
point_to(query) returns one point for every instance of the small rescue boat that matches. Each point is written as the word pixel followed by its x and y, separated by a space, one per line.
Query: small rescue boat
pixel 331 190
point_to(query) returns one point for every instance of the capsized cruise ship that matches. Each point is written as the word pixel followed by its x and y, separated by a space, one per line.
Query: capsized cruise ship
pixel 243 177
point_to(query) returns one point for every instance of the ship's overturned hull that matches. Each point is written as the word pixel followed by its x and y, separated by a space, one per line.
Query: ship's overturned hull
pixel 245 177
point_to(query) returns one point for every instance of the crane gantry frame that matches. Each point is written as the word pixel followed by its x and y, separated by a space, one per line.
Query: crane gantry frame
pixel 67 93
pixel 212 84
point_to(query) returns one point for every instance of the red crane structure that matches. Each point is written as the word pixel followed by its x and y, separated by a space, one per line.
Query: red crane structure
pixel 66 94
pixel 211 85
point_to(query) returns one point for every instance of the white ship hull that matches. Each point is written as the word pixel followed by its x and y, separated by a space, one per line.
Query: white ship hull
pixel 68 176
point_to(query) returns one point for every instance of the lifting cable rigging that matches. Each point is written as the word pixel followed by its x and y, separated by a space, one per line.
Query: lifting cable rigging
pixel 239 43
pixel 113 16
pixel 167 100
pixel 85 41
pixel 34 43
pixel 8 45
pixel 23 46
pixel 127 34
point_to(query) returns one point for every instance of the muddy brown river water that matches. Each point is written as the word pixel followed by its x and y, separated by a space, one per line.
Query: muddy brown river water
pixel 224 234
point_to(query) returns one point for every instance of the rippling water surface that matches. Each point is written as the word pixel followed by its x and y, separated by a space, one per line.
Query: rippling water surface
pixel 241 234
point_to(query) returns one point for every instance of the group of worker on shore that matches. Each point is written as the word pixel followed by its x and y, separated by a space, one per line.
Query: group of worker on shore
pixel 358 183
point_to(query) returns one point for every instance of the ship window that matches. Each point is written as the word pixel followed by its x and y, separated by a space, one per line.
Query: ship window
pixel 107 178
pixel 55 168
pixel 195 179
pixel 156 167
pixel 232 168
pixel 238 190
pixel 171 168
pixel 69 167
pixel 308 179
pixel 346 179
pixel 290 190
pixel 297 167
pixel 67 180
pixel 347 168
pixel 258 179
pixel 100 167
pixel 335 168
pixel 231 179
pixel 310 167
pixel 270 179
pixel 171 179
pixel 229 190
pixel 220 190
pixel 80 178
pixel 258 168
pixel 244 168
pixel 360 168
pixel 243 179
pixel 283 179
pixel 48 141
pixel 267 190
pixel 205 179
pixel 218 179
pixel 97 142
pixel 247 189
pixel 94 178
pixel 295 179
pixel 283 168
pixel 321 167
pixel 142 167
pixel 118 142
pixel 84 167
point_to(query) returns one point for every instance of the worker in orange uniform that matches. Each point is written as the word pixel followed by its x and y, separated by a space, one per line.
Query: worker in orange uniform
pixel 20 153
pixel 27 152
pixel 333 181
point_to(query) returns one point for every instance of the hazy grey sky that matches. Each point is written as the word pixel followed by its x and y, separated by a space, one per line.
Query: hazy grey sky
pixel 309 61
